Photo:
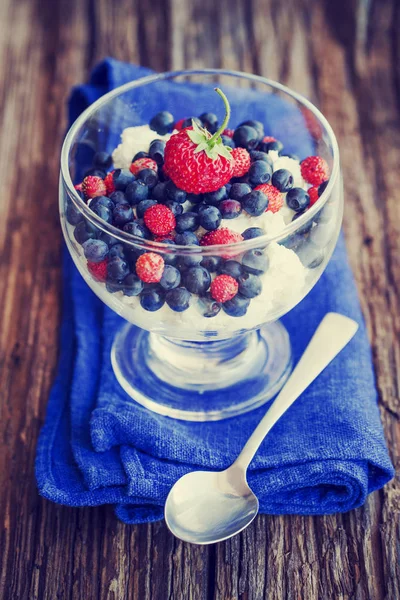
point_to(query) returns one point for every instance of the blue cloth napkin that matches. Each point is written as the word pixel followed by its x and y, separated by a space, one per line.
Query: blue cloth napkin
pixel 98 447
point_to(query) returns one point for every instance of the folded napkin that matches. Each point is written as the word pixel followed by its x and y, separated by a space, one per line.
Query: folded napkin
pixel 98 447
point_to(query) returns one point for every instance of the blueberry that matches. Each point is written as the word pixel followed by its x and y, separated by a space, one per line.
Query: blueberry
pixel 250 285
pixel 149 177
pixel 211 263
pixel 114 286
pixel 171 278
pixel 257 125
pixel 227 141
pixel 178 299
pixel 199 208
pixel 73 214
pixel 322 187
pixel 102 201
pixel 188 221
pixel 260 172
pixel 95 172
pixel 170 258
pixel 118 198
pixel 197 280
pixel 110 240
pixel 116 250
pixel 158 192
pixel 189 260
pixel 232 268
pixel 143 206
pixel 228 187
pixel 122 178
pixel 255 261
pixel 304 228
pixel 267 146
pixel 195 198
pixel 138 229
pixel 95 250
pixel 283 180
pixel 152 299
pixel 132 285
pixel 238 190
pixel 255 203
pixel 216 197
pixel 237 307
pixel 188 122
pixel 140 154
pixel 156 151
pixel 257 155
pixel 297 199
pixel 210 121
pixel 187 238
pixel 122 214
pixel 174 193
pixel 246 137
pixel 252 232
pixel 102 160
pixel 136 192
pixel 117 269
pixel 103 212
pixel 176 208
pixel 208 307
pixel 162 122
pixel 210 216
pixel 230 209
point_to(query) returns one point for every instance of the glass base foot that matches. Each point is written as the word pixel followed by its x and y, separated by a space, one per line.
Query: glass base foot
pixel 202 381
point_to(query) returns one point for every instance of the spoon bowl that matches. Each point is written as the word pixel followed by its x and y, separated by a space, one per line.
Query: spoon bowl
pixel 204 507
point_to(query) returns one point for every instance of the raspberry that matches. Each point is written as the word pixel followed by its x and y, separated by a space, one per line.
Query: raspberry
pixel 275 198
pixel 313 193
pixel 315 170
pixel 178 124
pixel 150 267
pixel 143 163
pixel 109 183
pixel 98 270
pixel 228 132
pixel 222 236
pixel 93 186
pixel 78 187
pixel 241 162
pixel 159 219
pixel 164 238
pixel 224 288
pixel 268 138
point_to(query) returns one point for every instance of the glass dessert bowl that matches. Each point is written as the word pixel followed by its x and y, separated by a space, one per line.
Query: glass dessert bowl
pixel 201 233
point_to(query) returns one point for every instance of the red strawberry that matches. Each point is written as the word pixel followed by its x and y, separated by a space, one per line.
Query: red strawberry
pixel 275 198
pixel 222 236
pixel 143 163
pixel 150 267
pixel 228 132
pixel 109 183
pixel 93 186
pixel 224 288
pixel 159 219
pixel 242 162
pixel 313 193
pixel 178 124
pixel 315 170
pixel 198 162
pixel 98 270
pixel 268 138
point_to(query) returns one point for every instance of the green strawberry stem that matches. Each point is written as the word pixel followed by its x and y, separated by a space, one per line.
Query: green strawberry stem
pixel 225 122
pixel 212 144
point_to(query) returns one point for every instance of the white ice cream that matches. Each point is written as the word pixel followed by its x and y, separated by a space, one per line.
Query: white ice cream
pixel 133 140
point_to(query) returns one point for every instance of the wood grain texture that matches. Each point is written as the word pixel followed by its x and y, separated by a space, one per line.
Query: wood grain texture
pixel 345 55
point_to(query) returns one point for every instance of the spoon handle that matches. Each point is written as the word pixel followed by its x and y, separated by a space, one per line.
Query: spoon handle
pixel 332 335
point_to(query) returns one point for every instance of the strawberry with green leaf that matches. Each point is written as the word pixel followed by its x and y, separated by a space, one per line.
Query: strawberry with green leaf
pixel 198 162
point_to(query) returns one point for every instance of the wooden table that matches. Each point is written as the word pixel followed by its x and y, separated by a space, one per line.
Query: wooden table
pixel 343 54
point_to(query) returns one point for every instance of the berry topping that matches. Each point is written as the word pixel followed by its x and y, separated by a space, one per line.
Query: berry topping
pixel 224 288
pixel 221 236
pixel 98 270
pixel 228 132
pixel 315 170
pixel 152 299
pixel 142 163
pixel 275 198
pixel 314 194
pixel 283 180
pixel 268 138
pixel 109 183
pixel 255 262
pixel 122 178
pixel 230 209
pixel 159 219
pixel 197 161
pixel 260 172
pixel 178 125
pixel 150 267
pixel 156 151
pixel 197 280
pixel 93 186
pixel 210 217
pixel 162 122
pixel 210 121
pixel 252 232
pixel 246 137
pixel 297 199
pixel 242 162
pixel 178 299
pixel 255 203
pixel 250 285
pixel 95 250
pixel 237 307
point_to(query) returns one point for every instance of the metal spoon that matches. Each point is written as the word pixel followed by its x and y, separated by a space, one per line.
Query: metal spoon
pixel 204 507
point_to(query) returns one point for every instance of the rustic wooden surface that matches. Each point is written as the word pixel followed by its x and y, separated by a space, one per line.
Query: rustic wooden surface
pixel 344 54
